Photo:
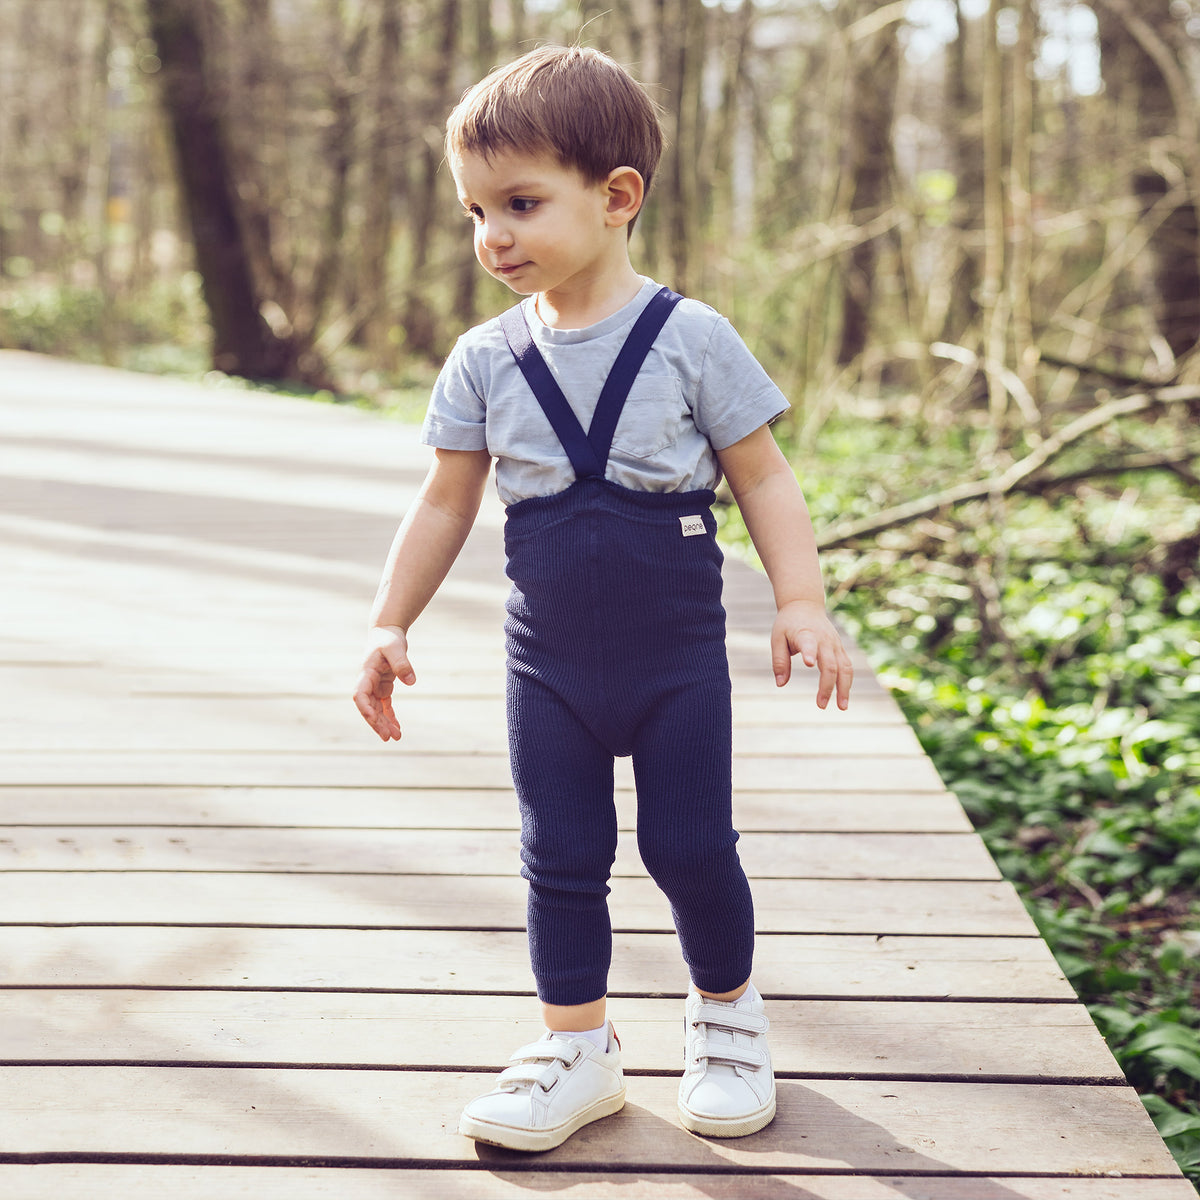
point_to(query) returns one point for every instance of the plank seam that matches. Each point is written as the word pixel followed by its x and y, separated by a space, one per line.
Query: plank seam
pixel 186 1064
pixel 513 1163
pixel 619 931
pixel 995 880
pixel 824 997
pixel 508 827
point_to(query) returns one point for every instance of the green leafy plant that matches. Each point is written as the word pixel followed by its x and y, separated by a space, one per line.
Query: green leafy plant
pixel 1045 656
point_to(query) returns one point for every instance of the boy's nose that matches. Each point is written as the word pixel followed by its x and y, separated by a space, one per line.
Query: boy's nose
pixel 493 235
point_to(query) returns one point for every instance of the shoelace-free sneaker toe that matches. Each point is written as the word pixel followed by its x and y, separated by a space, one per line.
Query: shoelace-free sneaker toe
pixel 728 1086
pixel 554 1088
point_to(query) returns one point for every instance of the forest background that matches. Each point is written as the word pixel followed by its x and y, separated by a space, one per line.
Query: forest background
pixel 961 234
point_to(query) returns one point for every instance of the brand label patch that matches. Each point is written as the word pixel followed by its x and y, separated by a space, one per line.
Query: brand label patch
pixel 691 525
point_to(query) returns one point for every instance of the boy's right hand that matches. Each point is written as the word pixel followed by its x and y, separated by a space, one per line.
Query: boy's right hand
pixel 386 660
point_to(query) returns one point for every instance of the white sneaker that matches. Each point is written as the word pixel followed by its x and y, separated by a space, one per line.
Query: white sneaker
pixel 728 1087
pixel 555 1088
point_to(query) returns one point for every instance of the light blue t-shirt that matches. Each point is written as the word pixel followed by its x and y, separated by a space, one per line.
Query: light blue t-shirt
pixel 699 389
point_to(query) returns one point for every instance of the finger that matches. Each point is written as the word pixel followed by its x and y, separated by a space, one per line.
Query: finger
pixel 372 698
pixel 826 682
pixel 845 679
pixel 781 657
pixel 398 664
pixel 374 715
pixel 390 725
pixel 808 647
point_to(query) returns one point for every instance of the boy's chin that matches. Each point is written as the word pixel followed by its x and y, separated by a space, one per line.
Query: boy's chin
pixel 519 280
pixel 516 285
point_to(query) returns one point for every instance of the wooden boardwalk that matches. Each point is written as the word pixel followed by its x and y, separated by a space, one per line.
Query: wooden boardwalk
pixel 248 951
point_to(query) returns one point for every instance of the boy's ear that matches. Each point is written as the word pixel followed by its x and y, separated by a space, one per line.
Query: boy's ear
pixel 626 191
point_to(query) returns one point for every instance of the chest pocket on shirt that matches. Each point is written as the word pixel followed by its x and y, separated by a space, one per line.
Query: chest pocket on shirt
pixel 652 418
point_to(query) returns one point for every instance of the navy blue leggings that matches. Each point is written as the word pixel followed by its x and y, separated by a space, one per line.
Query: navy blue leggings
pixel 616 644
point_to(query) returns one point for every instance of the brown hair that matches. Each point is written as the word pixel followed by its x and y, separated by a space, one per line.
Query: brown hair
pixel 570 101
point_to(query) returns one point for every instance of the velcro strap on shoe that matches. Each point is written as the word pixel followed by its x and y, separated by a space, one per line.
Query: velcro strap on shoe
pixel 734 1055
pixel 733 1019
pixel 527 1073
pixel 547 1050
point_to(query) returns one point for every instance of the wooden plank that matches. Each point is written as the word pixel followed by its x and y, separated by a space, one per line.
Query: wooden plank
pixel 787 708
pixel 467 852
pixel 515 1180
pixel 480 691
pixel 875 907
pixel 433 808
pixel 401 1116
pixel 847 738
pixel 496 962
pixel 383 768
pixel 190 727
pixel 808 1038
pixel 133 715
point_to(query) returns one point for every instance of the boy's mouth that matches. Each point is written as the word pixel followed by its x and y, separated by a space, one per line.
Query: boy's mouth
pixel 509 268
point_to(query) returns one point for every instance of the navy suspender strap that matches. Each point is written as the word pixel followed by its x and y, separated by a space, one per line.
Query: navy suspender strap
pixel 588 452
pixel 549 394
pixel 625 370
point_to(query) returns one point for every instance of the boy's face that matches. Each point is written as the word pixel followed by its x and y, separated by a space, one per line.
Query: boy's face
pixel 539 226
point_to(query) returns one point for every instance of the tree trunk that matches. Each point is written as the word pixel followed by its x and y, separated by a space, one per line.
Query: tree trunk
pixel 259 156
pixel 383 184
pixel 962 106
pixel 420 329
pixel 1020 191
pixel 993 299
pixel 466 285
pixel 338 152
pixel 869 166
pixel 243 343
pixel 1144 68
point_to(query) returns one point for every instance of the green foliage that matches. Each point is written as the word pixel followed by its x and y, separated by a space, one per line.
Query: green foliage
pixel 49 319
pixel 163 330
pixel 1048 667
pixel 1179 1126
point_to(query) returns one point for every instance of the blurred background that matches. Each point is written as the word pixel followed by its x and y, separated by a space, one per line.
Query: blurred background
pixel 961 234
pixel 853 182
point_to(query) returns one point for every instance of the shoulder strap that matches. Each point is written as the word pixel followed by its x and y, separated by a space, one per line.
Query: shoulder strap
pixel 549 395
pixel 625 370
pixel 589 451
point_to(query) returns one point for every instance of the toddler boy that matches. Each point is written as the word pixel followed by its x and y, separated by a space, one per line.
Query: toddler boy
pixel 612 408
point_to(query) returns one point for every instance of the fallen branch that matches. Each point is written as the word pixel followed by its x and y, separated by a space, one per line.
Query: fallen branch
pixel 1091 368
pixel 1012 478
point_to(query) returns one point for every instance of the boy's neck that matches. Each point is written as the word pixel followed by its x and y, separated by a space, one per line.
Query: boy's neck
pixel 588 301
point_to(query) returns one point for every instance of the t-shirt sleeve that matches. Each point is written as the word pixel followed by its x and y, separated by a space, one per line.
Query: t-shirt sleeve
pixel 457 415
pixel 735 395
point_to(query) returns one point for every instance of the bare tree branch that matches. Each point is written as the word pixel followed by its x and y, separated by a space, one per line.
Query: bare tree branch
pixel 1091 368
pixel 1011 479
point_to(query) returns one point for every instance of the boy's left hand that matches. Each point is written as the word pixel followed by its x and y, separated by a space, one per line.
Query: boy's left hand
pixel 804 628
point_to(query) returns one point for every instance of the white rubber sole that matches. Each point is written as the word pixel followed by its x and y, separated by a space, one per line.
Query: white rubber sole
pixel 514 1138
pixel 728 1127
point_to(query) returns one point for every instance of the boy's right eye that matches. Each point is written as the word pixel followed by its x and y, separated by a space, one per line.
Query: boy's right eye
pixel 473 213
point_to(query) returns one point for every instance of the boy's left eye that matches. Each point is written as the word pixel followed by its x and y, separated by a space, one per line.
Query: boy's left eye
pixel 522 204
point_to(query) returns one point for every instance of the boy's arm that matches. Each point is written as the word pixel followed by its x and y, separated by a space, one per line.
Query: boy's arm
pixel 424 549
pixel 772 504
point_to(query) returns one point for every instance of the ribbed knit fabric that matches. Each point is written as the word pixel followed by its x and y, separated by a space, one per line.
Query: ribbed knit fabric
pixel 616 643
